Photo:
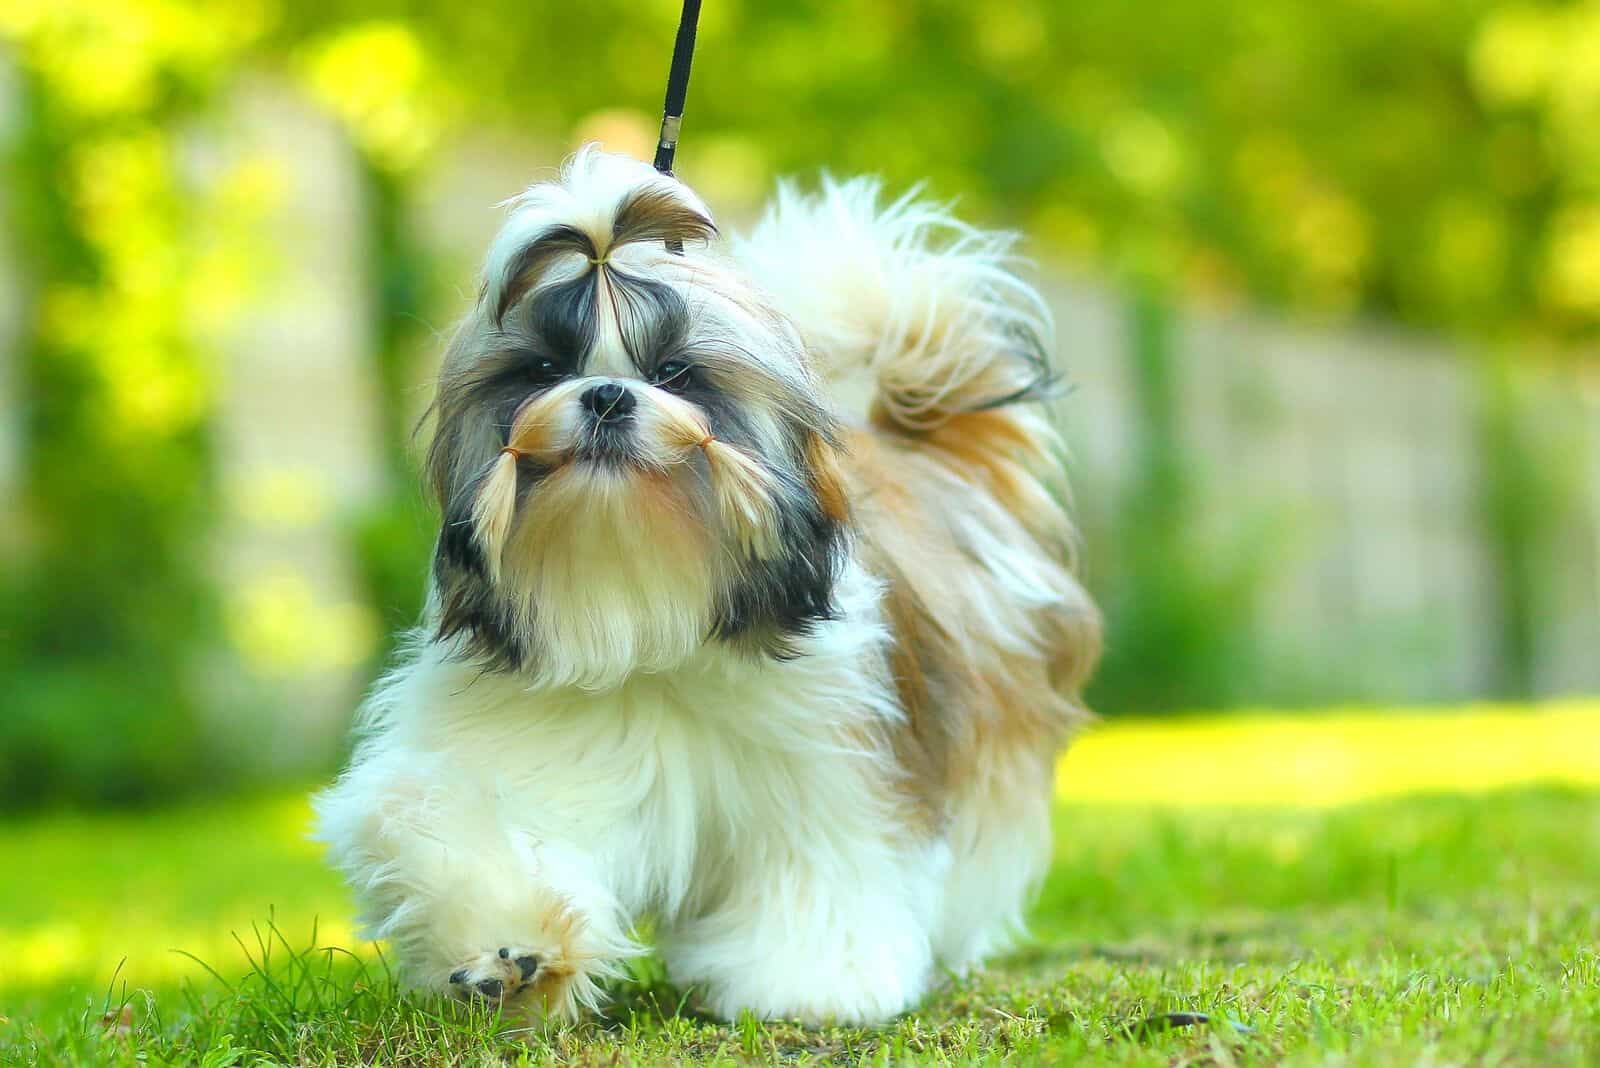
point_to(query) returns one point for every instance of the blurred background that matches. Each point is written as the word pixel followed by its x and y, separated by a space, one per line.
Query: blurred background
pixel 1327 280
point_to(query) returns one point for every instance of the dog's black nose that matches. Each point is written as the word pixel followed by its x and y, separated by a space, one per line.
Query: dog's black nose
pixel 609 401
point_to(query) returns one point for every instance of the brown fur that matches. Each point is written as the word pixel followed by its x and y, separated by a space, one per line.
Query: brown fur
pixel 657 215
pixel 971 702
pixel 828 477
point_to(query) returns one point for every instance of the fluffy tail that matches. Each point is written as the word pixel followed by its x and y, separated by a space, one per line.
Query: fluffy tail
pixel 905 304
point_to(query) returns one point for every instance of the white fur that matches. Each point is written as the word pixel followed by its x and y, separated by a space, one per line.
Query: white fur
pixel 726 797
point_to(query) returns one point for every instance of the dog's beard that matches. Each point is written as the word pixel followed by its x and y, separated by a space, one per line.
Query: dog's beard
pixel 607 532
pixel 608 571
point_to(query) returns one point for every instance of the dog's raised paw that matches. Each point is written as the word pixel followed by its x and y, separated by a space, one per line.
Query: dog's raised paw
pixel 496 976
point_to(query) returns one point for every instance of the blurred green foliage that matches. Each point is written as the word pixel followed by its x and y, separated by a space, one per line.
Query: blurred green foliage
pixel 105 603
pixel 1181 612
pixel 1433 161
pixel 1430 161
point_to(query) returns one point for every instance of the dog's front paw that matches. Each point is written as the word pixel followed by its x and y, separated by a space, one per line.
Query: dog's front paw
pixel 498 976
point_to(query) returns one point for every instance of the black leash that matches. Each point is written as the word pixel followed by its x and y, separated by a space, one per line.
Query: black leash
pixel 677 86
pixel 677 91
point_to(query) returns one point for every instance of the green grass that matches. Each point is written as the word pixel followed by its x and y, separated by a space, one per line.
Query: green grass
pixel 1432 929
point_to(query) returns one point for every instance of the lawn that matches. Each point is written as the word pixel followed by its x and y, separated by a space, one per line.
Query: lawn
pixel 1342 889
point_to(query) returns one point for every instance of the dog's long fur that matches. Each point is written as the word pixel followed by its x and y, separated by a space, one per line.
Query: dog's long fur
pixel 782 659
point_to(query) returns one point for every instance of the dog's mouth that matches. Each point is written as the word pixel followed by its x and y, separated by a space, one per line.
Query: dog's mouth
pixel 609 444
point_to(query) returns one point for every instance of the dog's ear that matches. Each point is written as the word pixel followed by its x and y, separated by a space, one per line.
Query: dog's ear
pixel 465 440
pixel 780 597
pixel 470 608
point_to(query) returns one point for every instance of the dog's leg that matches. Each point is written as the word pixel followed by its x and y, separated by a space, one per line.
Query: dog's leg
pixel 816 931
pixel 475 905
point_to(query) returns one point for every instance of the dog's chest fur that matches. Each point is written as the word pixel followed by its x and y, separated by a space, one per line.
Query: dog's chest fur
pixel 672 777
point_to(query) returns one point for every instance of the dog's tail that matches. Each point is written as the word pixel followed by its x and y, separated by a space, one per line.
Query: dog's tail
pixel 915 317
pixel 932 342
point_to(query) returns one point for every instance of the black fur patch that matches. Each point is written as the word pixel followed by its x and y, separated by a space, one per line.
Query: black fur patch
pixel 563 318
pixel 471 609
pixel 783 597
pixel 457 549
pixel 653 317
pixel 1043 381
pixel 468 603
pixel 531 262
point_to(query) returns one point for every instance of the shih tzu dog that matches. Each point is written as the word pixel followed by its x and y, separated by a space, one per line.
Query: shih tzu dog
pixel 751 612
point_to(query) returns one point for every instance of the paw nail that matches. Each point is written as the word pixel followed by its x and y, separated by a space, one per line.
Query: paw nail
pixel 529 965
pixel 458 976
pixel 491 988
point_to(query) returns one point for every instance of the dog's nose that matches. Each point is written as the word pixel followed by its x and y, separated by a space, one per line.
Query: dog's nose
pixel 609 401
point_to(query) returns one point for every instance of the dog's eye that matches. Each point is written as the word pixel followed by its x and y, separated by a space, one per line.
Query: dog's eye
pixel 545 371
pixel 674 376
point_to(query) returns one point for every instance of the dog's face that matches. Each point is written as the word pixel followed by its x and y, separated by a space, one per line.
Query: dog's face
pixel 631 453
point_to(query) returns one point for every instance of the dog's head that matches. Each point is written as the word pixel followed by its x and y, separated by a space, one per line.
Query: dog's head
pixel 631 453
